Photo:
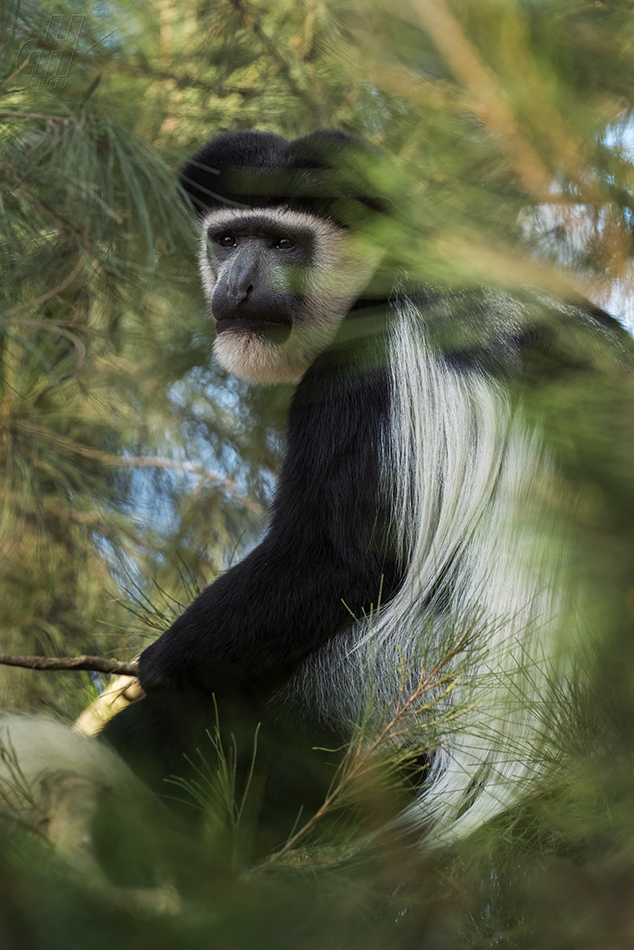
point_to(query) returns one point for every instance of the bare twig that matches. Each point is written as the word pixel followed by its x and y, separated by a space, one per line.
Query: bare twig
pixel 154 461
pixel 241 7
pixel 36 115
pixel 16 72
pixel 96 664
pixel 77 269
pixel 310 88
pixel 146 461
pixel 50 326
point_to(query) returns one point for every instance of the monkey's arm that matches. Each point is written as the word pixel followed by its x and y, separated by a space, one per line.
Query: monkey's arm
pixel 321 558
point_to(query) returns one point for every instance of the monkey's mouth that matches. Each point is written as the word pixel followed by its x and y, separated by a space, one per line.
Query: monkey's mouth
pixel 262 311
pixel 276 331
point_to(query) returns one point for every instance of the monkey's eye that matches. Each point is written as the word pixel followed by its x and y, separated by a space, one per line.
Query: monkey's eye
pixel 225 240
pixel 284 244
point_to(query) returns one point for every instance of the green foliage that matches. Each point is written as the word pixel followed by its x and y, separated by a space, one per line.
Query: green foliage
pixel 100 385
pixel 132 470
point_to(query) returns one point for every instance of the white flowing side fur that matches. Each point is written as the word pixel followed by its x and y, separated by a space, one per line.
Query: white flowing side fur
pixel 467 482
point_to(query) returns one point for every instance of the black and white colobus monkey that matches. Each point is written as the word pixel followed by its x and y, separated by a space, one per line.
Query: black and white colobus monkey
pixel 412 474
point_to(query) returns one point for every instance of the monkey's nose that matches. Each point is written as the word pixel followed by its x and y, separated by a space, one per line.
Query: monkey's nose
pixel 238 290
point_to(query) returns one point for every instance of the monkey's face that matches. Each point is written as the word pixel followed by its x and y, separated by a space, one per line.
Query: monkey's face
pixel 279 283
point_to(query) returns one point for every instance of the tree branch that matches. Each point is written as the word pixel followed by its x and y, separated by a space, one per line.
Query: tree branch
pixel 309 87
pixel 36 115
pixel 96 664
pixel 488 100
pixel 77 269
pixel 145 461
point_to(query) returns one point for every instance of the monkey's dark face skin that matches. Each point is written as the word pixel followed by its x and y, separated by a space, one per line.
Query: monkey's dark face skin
pixel 279 283
pixel 259 274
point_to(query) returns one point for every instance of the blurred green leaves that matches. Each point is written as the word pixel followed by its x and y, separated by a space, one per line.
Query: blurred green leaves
pixel 131 468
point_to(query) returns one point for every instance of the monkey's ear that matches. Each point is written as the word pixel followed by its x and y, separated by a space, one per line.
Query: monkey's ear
pixel 207 178
pixel 328 173
pixel 350 168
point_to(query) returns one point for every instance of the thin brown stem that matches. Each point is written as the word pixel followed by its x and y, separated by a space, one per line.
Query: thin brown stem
pixel 77 269
pixel 36 115
pixel 488 100
pixel 359 758
pixel 145 461
pixel 96 664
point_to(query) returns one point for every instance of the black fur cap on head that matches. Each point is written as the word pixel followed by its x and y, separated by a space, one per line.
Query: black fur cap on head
pixel 316 174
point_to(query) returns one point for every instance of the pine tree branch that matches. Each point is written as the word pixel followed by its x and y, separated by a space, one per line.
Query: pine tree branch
pixel 488 100
pixel 36 115
pixel 241 7
pixel 145 461
pixel 96 664
pixel 436 684
pixel 76 271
